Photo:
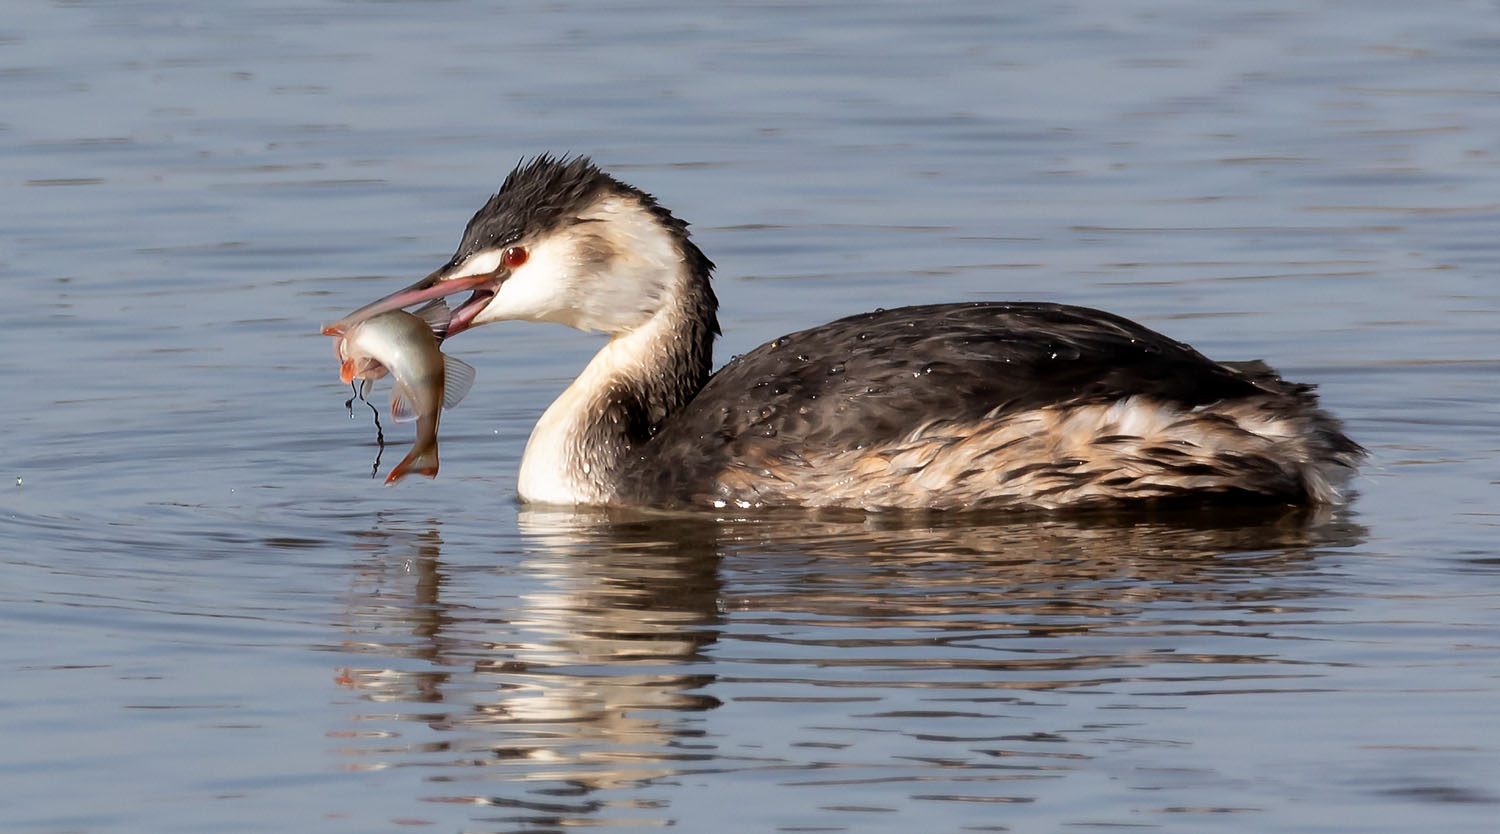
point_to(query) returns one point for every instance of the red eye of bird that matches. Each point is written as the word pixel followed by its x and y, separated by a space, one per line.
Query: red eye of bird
pixel 514 256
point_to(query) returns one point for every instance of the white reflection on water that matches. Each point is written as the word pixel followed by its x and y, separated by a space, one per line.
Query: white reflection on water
pixel 629 644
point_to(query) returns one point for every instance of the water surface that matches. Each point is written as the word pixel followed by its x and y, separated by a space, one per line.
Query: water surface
pixel 217 621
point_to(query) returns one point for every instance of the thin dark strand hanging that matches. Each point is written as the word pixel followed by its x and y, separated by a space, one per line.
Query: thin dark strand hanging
pixel 379 434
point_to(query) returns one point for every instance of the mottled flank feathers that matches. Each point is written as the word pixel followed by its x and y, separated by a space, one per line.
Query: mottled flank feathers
pixel 983 405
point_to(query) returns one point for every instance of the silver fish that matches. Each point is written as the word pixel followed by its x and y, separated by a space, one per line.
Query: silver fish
pixel 425 379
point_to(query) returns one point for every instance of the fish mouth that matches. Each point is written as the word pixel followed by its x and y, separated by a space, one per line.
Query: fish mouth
pixel 436 285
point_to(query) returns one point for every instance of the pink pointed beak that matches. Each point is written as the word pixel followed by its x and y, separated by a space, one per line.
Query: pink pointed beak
pixel 433 286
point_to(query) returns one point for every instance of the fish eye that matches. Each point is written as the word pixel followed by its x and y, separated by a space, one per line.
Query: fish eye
pixel 514 256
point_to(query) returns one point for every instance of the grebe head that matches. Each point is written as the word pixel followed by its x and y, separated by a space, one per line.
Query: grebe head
pixel 561 241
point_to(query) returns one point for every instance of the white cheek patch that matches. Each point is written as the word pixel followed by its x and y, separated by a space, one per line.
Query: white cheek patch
pixel 610 275
pixel 480 263
pixel 538 290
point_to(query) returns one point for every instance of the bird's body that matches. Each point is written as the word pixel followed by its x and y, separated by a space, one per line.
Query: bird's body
pixel 947 406
pixel 956 406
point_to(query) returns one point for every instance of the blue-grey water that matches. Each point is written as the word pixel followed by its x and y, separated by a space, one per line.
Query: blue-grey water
pixel 214 620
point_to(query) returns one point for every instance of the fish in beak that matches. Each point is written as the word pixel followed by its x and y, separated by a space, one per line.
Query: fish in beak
pixel 439 284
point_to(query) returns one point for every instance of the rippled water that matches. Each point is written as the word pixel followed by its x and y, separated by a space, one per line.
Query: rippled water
pixel 216 621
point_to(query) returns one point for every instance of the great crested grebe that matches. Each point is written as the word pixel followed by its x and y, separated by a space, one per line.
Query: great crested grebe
pixel 941 406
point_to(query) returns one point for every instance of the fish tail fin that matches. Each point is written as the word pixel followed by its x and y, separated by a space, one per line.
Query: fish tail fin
pixel 422 460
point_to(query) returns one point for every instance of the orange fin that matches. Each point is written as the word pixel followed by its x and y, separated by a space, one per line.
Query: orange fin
pixel 419 461
pixel 361 367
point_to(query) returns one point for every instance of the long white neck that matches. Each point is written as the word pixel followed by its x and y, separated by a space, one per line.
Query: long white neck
pixel 594 430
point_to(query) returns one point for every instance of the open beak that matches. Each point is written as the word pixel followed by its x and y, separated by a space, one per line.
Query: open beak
pixel 436 285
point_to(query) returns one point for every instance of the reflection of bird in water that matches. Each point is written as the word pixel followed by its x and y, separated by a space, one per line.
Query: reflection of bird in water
pixel 582 666
pixel 595 652
pixel 937 406
pixel 1160 547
